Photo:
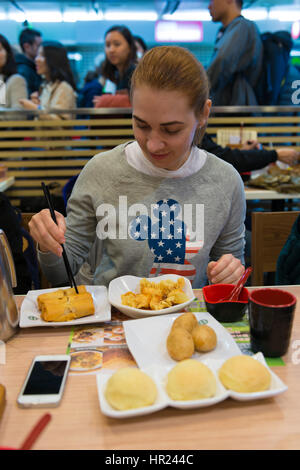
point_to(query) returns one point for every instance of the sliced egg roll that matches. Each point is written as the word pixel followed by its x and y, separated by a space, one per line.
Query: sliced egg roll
pixel 69 308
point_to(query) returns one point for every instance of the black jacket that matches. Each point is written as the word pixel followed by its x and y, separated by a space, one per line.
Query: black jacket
pixel 242 160
pixel 26 68
pixel 288 263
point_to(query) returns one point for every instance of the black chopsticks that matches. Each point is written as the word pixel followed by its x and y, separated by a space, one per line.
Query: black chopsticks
pixel 66 261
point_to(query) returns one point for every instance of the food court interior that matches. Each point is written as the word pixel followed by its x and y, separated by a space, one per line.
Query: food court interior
pixel 51 141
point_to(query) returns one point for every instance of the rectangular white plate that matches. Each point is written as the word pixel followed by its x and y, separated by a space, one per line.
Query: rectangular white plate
pixel 159 375
pixel 146 338
pixel 30 315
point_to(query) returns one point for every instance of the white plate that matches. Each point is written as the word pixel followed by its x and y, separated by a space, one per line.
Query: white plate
pixel 31 316
pixel 123 284
pixel 146 338
pixel 159 375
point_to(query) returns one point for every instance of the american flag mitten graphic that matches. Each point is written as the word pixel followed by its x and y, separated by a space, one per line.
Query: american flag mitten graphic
pixel 168 239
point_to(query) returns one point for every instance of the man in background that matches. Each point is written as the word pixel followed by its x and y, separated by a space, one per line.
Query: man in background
pixel 29 40
pixel 237 59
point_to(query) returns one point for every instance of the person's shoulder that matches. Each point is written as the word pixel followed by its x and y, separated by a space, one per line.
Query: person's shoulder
pixel 64 85
pixel 240 22
pixel 15 79
pixel 110 159
pixel 218 167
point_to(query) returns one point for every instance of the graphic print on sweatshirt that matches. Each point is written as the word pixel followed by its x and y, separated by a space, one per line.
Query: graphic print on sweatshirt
pixel 168 239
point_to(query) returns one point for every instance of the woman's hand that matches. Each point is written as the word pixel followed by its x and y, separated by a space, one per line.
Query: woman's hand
pixel 45 231
pixel 34 97
pixel 227 270
pixel 28 104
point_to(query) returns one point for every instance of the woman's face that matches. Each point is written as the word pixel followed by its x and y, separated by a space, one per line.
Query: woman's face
pixel 117 49
pixel 3 56
pixel 40 63
pixel 164 125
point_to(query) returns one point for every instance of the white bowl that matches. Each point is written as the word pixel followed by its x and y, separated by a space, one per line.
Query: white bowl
pixel 123 284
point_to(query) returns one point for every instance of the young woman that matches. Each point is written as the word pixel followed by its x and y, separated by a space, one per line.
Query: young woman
pixel 158 204
pixel 15 84
pixel 120 57
pixel 58 89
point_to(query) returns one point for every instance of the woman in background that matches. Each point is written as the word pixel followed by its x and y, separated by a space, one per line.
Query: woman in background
pixel 14 85
pixel 120 57
pixel 58 89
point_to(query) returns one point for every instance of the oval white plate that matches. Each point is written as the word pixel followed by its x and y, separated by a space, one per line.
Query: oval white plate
pixel 123 284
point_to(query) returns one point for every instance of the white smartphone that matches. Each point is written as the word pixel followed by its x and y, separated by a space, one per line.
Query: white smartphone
pixel 45 381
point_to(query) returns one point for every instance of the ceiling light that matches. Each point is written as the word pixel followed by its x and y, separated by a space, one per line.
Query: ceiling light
pixel 255 14
pixel 284 15
pixel 78 15
pixel 130 16
pixel 16 16
pixel 189 15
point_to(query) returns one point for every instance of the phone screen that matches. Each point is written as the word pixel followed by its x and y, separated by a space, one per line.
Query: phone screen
pixel 46 378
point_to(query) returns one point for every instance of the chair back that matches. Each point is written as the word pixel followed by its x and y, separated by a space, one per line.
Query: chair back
pixel 270 231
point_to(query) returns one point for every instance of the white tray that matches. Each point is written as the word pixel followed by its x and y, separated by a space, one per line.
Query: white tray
pixel 146 339
pixel 159 375
pixel 30 315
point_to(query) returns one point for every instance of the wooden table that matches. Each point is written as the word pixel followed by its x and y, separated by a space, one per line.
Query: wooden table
pixel 278 200
pixel 267 194
pixel 6 183
pixel 78 423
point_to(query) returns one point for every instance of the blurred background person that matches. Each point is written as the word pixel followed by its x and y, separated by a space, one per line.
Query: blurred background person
pixel 237 58
pixel 120 57
pixel 58 90
pixel 30 41
pixel 92 87
pixel 15 84
pixel 141 47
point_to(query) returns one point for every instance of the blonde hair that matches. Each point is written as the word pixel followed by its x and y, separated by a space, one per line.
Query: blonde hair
pixel 173 68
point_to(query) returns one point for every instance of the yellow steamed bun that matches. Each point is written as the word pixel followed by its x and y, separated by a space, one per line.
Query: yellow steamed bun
pixel 130 388
pixel 191 380
pixel 244 374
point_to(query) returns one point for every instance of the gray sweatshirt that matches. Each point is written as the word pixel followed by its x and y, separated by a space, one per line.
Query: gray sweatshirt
pixel 121 221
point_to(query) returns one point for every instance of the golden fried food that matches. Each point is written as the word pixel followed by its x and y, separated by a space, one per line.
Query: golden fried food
pixel 68 308
pixel 59 295
pixel 244 374
pixel 56 295
pixel 156 296
pixel 180 344
pixel 191 380
pixel 187 320
pixel 65 304
pixel 204 337
pixel 130 388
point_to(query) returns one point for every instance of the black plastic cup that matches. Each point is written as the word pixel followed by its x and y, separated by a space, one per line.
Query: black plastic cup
pixel 271 315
